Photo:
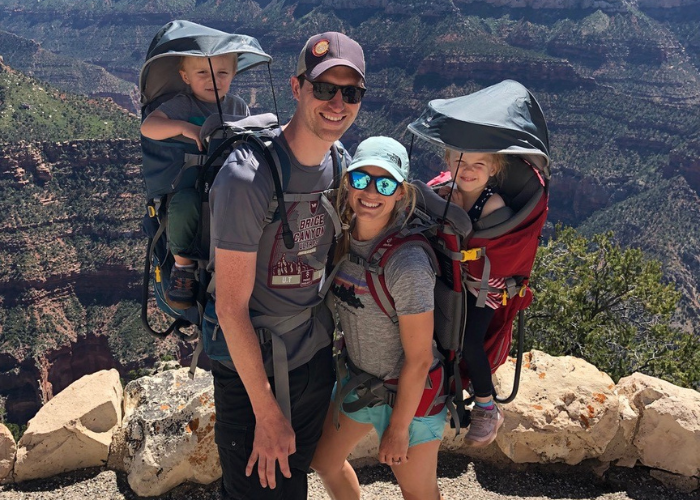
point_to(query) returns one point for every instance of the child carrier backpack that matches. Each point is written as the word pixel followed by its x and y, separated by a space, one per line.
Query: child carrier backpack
pixel 169 164
pixel 506 119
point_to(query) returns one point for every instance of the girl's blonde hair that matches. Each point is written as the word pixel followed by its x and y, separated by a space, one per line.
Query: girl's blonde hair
pixel 498 161
pixel 406 205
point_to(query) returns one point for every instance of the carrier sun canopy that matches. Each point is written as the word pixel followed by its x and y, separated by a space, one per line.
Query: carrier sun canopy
pixel 503 118
pixel 160 73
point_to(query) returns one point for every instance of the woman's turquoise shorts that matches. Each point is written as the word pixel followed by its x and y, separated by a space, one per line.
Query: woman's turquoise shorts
pixel 421 430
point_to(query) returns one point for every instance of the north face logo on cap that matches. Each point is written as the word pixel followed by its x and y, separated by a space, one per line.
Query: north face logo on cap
pixel 394 158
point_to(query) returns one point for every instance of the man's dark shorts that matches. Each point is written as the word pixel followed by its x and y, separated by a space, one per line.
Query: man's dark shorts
pixel 310 389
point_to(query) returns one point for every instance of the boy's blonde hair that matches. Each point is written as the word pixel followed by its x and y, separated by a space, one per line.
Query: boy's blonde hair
pixel 407 204
pixel 234 58
pixel 498 162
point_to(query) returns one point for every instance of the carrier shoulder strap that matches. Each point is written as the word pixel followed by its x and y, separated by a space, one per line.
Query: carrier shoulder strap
pixel 339 162
pixel 276 208
pixel 378 259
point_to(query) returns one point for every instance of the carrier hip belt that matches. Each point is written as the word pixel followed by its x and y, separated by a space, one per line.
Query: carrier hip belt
pixel 373 391
pixel 267 328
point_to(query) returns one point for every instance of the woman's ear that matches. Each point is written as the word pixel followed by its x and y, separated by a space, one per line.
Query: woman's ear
pixel 401 193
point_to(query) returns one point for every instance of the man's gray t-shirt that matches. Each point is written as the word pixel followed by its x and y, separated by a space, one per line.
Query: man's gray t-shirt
pixel 286 281
pixel 371 338
pixel 186 107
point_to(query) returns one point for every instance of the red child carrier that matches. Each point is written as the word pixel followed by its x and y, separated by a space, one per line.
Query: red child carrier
pixel 504 118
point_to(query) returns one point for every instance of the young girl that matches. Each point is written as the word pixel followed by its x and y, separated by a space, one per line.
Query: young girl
pixel 475 176
pixel 373 201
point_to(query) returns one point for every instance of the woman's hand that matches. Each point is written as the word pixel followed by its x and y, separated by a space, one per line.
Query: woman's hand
pixel 393 449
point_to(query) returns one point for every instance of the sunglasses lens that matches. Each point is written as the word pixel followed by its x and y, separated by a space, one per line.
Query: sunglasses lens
pixel 386 186
pixel 324 91
pixel 352 95
pixel 360 180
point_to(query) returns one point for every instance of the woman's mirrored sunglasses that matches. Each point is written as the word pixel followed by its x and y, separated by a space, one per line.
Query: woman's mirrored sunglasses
pixel 324 91
pixel 385 185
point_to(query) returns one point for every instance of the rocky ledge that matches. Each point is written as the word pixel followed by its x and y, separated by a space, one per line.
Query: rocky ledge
pixel 158 431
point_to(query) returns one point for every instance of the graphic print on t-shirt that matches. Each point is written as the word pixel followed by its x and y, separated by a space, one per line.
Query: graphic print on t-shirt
pixel 301 266
pixel 347 288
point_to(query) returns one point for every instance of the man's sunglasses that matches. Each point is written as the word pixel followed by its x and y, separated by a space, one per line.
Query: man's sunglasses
pixel 324 91
pixel 385 185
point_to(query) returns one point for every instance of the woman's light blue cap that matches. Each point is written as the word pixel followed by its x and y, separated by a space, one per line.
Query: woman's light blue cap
pixel 382 152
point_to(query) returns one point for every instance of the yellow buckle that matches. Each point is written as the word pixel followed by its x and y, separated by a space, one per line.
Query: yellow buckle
pixel 471 254
pixel 504 300
pixel 157 272
pixel 523 291
pixel 151 211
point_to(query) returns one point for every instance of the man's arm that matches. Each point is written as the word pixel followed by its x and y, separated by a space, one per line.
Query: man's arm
pixel 274 436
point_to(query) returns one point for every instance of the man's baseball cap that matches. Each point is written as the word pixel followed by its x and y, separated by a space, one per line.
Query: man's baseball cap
pixel 328 50
pixel 382 152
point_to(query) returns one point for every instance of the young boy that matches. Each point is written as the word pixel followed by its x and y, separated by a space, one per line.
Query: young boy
pixel 182 117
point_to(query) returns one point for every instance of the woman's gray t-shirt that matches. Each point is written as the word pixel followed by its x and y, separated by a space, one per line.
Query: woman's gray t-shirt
pixel 371 338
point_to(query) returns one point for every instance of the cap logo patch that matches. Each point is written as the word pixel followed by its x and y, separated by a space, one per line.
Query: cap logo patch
pixel 394 158
pixel 321 48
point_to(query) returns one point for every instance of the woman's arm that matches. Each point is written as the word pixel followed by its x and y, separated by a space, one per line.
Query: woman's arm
pixel 416 331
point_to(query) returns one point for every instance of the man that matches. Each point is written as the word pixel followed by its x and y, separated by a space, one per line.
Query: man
pixel 264 455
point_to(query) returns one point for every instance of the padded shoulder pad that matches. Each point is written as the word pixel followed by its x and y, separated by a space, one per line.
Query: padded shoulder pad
pixel 496 217
pixel 235 122
pixel 429 201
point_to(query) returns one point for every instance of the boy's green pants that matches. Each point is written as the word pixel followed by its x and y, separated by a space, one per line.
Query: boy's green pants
pixel 183 220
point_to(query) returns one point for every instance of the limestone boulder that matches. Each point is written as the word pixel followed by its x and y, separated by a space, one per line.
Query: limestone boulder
pixel 8 451
pixel 168 433
pixel 668 434
pixel 621 450
pixel 366 452
pixel 73 430
pixel 566 410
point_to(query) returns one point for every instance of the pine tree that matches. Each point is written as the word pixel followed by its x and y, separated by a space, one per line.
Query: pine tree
pixel 608 305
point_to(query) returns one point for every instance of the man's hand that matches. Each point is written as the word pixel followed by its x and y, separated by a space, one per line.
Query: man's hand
pixel 393 449
pixel 274 441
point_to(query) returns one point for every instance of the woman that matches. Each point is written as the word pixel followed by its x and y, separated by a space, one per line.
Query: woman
pixel 373 201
